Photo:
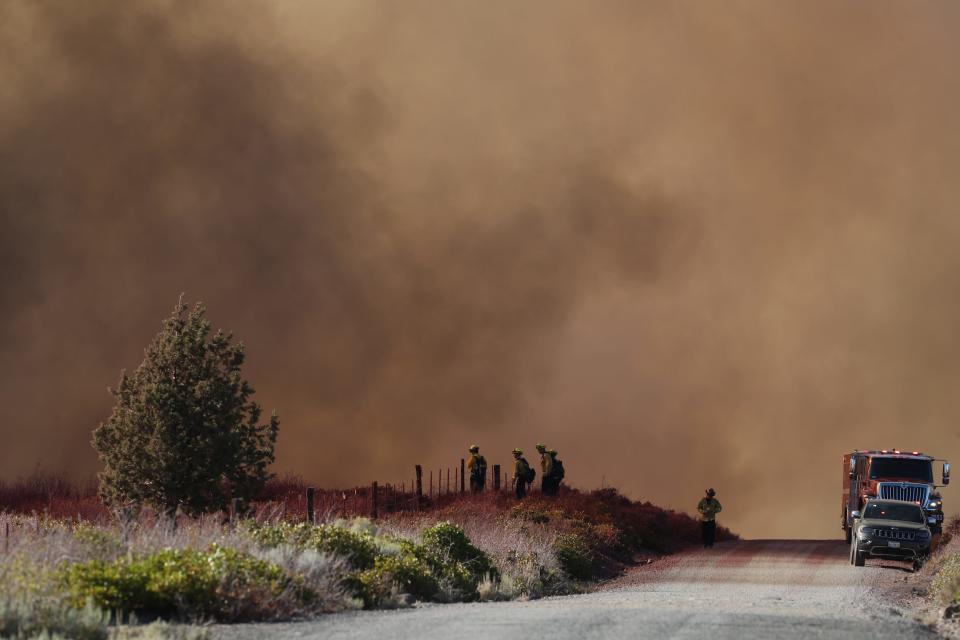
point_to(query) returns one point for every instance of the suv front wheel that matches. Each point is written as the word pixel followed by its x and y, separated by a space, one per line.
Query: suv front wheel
pixel 857 557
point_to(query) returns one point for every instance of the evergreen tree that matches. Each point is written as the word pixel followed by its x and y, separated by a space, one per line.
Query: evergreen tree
pixel 184 431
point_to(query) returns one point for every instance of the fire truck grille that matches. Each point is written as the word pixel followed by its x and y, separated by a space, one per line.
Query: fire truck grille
pixel 895 534
pixel 907 492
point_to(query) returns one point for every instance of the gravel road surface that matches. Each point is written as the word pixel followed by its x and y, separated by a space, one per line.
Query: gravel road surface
pixel 738 590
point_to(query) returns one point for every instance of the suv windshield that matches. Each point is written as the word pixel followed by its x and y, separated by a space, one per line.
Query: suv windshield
pixel 893 511
pixel 911 468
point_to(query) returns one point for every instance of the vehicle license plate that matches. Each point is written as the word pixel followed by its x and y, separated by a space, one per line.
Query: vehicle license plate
pixel 893 545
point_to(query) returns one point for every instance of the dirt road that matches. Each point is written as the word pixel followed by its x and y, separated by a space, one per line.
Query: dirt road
pixel 739 590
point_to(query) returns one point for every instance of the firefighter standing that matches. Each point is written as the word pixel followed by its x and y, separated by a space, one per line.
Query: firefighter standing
pixel 556 472
pixel 546 469
pixel 478 469
pixel 521 473
pixel 709 507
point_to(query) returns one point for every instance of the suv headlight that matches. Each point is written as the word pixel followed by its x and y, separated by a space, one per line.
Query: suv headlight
pixel 865 532
pixel 934 504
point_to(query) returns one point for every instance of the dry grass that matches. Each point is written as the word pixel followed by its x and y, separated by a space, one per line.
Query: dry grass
pixel 35 551
pixel 538 546
pixel 943 567
pixel 545 545
pixel 524 556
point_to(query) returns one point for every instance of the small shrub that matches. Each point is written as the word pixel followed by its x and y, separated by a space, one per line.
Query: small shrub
pixel 455 558
pixel 358 525
pixel 160 630
pixel 533 577
pixel 575 556
pixel 359 548
pixel 34 618
pixel 405 572
pixel 448 543
pixel 493 589
pixel 448 540
pixel 319 575
pixel 531 513
pixel 97 541
pixel 271 535
pixel 221 583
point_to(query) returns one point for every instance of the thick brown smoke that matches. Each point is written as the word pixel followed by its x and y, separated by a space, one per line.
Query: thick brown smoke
pixel 683 243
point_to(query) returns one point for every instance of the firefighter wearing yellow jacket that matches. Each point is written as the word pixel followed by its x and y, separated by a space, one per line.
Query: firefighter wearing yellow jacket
pixel 522 473
pixel 478 470
pixel 546 469
pixel 709 507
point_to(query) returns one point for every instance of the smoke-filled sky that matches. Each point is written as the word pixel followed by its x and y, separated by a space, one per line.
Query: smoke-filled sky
pixel 687 244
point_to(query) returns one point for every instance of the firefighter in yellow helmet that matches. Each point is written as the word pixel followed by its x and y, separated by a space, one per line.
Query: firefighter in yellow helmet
pixel 709 507
pixel 522 473
pixel 546 469
pixel 478 470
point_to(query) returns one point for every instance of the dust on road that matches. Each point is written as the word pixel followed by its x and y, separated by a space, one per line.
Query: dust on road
pixel 739 590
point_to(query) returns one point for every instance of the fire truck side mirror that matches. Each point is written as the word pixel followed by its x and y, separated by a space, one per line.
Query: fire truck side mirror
pixel 946 473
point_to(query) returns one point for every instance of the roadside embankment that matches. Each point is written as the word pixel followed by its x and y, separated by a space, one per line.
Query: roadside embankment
pixel 932 594
pixel 77 578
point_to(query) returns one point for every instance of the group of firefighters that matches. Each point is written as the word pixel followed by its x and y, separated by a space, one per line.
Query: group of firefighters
pixel 551 471
pixel 551 475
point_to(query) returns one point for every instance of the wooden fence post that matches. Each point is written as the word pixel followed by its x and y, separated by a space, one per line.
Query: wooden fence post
pixel 419 471
pixel 234 510
pixel 496 477
pixel 463 484
pixel 373 501
pixel 431 484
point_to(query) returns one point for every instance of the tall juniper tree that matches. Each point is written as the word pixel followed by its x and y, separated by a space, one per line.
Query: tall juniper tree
pixel 184 431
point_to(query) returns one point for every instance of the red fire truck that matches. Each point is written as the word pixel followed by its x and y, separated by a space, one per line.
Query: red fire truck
pixel 891 474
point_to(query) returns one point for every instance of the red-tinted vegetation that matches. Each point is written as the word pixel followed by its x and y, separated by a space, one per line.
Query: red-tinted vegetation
pixel 52 496
pixel 615 527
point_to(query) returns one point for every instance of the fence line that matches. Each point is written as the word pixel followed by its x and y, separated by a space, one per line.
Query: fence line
pixel 383 498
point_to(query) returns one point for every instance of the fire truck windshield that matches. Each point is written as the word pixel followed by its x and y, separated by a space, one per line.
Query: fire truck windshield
pixel 909 468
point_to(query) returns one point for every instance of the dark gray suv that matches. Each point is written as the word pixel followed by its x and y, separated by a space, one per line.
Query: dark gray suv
pixel 890 529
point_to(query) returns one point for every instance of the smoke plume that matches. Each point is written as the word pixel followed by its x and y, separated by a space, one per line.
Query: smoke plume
pixel 686 244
